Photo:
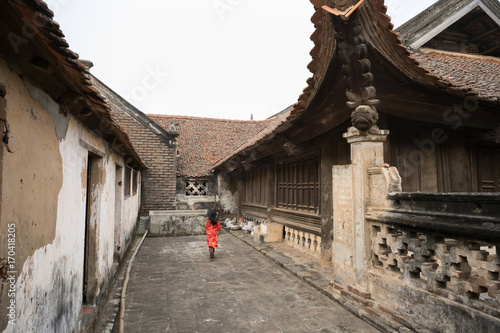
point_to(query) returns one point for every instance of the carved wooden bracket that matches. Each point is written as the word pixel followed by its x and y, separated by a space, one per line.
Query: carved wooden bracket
pixel 356 67
pixel 292 149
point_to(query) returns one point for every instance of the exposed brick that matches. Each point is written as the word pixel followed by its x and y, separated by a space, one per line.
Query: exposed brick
pixel 372 312
pixel 360 293
pixel 401 320
pixel 386 310
pixel 361 300
pixel 337 286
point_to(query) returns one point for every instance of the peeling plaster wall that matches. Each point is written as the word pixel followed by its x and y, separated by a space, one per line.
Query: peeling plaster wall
pixel 44 194
pixel 228 195
pixel 130 211
pixel 132 205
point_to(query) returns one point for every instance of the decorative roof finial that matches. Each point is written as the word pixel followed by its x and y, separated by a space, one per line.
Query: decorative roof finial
pixel 356 66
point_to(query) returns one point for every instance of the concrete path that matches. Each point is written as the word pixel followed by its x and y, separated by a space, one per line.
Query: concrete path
pixel 175 287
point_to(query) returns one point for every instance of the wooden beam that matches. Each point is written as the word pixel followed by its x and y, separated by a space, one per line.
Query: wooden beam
pixel 485 34
pixel 491 50
pixel 473 22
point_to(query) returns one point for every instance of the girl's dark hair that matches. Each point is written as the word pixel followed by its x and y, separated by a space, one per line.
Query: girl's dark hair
pixel 212 216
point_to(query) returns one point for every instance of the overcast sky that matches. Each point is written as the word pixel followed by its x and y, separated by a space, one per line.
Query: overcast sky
pixel 204 58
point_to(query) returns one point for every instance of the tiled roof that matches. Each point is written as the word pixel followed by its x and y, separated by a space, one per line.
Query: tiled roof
pixel 477 75
pixel 202 142
pixel 380 35
pixel 324 57
pixel 37 14
pixel 273 124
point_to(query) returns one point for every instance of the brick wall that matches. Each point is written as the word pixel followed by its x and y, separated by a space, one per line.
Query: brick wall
pixel 159 179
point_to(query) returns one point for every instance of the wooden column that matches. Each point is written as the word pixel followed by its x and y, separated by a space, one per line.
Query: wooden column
pixel 327 161
pixel 240 185
pixel 270 190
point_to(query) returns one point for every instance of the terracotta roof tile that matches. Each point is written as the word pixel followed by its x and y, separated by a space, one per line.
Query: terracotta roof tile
pixel 433 70
pixel 478 75
pixel 266 133
pixel 202 142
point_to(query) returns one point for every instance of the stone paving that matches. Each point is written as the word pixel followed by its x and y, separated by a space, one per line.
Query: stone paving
pixel 175 287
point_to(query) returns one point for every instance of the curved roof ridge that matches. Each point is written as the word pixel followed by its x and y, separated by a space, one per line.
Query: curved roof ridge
pixel 383 41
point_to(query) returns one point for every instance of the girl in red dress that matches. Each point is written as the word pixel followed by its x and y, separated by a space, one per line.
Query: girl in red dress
pixel 213 226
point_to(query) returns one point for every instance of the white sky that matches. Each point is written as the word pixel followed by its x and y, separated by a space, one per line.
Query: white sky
pixel 205 58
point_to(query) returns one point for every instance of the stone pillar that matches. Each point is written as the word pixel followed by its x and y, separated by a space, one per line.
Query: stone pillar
pixel 351 196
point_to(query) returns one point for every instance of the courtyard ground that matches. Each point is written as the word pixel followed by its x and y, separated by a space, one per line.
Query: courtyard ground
pixel 175 287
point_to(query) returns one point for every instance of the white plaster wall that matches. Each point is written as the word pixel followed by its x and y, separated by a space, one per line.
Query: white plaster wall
pixel 130 214
pixel 106 227
pixel 49 285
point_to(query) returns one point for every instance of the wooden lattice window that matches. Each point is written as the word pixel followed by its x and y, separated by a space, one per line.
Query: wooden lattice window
pixel 255 186
pixel 489 169
pixel 298 184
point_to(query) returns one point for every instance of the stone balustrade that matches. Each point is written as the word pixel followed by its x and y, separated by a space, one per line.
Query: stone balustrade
pixel 304 241
pixel 253 218
pixel 442 247
pixel 462 270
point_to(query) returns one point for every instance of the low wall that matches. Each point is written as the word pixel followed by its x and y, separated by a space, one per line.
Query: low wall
pixel 177 222
pixel 435 260
pixel 428 262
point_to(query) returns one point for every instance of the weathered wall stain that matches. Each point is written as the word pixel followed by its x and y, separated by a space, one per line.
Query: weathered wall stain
pixel 53 300
pixel 44 194
pixel 51 107
pixel 33 167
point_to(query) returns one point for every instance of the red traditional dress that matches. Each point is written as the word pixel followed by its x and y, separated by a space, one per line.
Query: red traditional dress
pixel 212 233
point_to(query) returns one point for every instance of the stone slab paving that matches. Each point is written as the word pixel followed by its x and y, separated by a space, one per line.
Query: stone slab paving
pixel 175 287
pixel 105 322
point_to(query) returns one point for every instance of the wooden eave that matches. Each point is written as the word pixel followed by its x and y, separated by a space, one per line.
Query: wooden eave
pixel 45 58
pixel 440 16
pixel 322 105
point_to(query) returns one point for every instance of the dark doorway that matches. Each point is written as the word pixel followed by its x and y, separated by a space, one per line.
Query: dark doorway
pixel 91 220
